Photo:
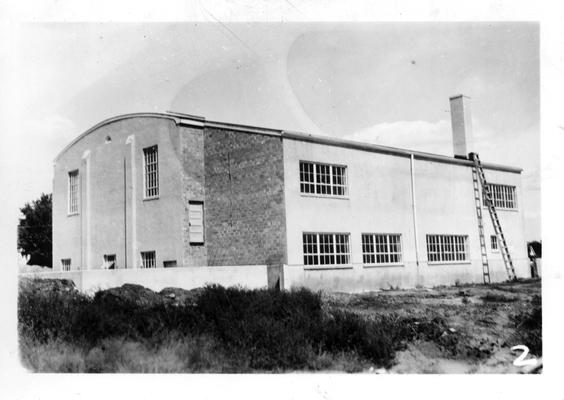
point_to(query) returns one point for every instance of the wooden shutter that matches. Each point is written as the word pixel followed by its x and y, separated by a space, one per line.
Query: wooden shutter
pixel 196 220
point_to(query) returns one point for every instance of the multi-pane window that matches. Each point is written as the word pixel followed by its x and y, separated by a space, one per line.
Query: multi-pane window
pixel 447 248
pixel 503 196
pixel 109 261
pixel 381 248
pixel 148 259
pixel 323 179
pixel 326 248
pixel 151 175
pixel 73 192
pixel 494 243
pixel 66 264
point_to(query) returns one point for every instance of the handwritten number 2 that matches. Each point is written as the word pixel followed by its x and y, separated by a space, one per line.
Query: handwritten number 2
pixel 520 361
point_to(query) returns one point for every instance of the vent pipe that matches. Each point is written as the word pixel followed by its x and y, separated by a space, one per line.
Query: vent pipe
pixel 461 118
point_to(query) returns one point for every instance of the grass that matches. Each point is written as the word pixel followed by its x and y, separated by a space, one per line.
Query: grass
pixel 528 326
pixel 132 329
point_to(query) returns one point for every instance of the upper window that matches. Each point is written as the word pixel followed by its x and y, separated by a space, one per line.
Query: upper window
pixel 326 248
pixel 73 192
pixel 323 179
pixel 381 249
pixel 151 168
pixel 503 196
pixel 447 248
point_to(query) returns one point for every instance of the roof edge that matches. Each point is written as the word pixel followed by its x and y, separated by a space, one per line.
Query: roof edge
pixel 181 118
pixel 392 150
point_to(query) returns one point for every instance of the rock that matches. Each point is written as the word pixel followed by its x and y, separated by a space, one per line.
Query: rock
pixel 452 330
pixel 130 294
pixel 181 296
pixel 47 285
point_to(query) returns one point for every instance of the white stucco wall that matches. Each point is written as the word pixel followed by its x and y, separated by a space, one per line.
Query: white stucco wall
pixel 250 277
pixel 104 224
pixel 380 201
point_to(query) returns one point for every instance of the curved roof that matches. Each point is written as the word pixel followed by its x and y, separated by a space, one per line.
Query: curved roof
pixel 187 119
pixel 115 119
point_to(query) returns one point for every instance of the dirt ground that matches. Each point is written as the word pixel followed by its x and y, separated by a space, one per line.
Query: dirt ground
pixel 480 320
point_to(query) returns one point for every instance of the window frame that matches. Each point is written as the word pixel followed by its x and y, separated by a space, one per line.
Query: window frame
pixel 107 259
pixel 64 266
pixel 506 194
pixel 375 246
pixel 143 259
pixel 331 184
pixel 452 249
pixel 146 189
pixel 494 239
pixel 333 255
pixel 74 173
pixel 196 242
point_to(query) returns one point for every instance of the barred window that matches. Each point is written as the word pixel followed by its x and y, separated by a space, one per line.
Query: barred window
pixel 151 175
pixel 494 243
pixel 326 248
pixel 503 196
pixel 109 261
pixel 323 179
pixel 148 259
pixel 381 249
pixel 66 264
pixel 447 248
pixel 73 192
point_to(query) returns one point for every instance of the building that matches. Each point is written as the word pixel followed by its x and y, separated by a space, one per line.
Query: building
pixel 173 192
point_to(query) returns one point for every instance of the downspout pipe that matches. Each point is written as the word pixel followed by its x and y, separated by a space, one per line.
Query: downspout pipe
pixel 414 208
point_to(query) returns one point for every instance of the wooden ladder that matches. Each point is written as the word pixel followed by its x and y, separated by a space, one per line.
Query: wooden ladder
pixel 479 179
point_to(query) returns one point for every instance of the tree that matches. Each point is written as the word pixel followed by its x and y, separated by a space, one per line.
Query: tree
pixel 35 231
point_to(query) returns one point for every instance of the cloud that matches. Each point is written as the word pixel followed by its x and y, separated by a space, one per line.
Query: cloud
pixel 432 137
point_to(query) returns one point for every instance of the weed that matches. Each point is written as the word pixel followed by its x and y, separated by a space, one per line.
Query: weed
pixel 221 330
pixel 497 298
pixel 528 326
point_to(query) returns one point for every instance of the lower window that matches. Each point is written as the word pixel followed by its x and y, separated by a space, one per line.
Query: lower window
pixel 447 248
pixel 109 261
pixel 494 243
pixel 169 263
pixel 326 248
pixel 66 264
pixel 148 259
pixel 381 249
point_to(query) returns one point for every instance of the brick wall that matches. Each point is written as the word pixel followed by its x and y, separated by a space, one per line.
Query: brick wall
pixel 192 159
pixel 244 210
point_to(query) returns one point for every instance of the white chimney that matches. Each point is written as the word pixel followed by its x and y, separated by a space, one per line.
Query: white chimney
pixel 461 119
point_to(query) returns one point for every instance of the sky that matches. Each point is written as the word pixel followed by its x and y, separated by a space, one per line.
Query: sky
pixel 384 83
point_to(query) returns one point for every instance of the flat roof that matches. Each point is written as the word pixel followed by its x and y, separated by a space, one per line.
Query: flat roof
pixel 201 122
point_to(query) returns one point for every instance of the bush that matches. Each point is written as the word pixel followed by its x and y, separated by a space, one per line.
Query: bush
pixel 225 329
